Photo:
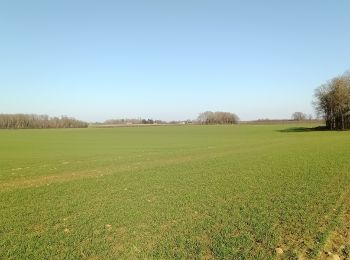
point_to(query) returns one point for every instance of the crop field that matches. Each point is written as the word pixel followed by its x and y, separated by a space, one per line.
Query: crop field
pixel 174 192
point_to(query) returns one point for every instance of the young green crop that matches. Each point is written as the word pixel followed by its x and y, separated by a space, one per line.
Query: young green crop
pixel 170 192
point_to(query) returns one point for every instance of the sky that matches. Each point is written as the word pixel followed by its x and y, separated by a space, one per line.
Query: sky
pixel 170 60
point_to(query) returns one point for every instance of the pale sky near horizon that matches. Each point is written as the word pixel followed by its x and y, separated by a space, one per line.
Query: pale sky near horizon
pixel 170 60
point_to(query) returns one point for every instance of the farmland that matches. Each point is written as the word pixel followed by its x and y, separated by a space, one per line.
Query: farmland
pixel 172 192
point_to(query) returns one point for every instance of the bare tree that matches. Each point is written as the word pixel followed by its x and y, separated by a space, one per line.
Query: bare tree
pixel 299 116
pixel 24 121
pixel 333 102
pixel 218 117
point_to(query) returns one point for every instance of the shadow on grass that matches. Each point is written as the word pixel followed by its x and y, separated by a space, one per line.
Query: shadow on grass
pixel 303 129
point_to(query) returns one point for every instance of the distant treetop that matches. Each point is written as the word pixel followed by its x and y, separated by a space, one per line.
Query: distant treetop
pixel 218 117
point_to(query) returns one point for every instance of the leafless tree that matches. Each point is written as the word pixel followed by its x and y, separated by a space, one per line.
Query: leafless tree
pixel 218 117
pixel 299 116
pixel 333 102
pixel 24 121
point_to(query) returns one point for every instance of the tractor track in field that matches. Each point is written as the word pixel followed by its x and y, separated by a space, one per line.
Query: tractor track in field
pixel 338 239
pixel 104 171
pixel 335 240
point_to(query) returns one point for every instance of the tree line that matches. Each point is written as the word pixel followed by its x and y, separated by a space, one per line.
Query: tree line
pixel 332 101
pixel 126 121
pixel 32 121
pixel 207 118
pixel 218 117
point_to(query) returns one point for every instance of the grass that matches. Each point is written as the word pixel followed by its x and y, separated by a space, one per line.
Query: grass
pixel 170 192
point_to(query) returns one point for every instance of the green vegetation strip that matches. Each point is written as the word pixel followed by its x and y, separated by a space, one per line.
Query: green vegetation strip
pixel 170 192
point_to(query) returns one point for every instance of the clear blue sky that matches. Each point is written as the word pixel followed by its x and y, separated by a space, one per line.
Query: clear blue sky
pixel 101 59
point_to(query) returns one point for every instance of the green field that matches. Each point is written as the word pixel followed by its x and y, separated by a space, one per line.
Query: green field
pixel 171 192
